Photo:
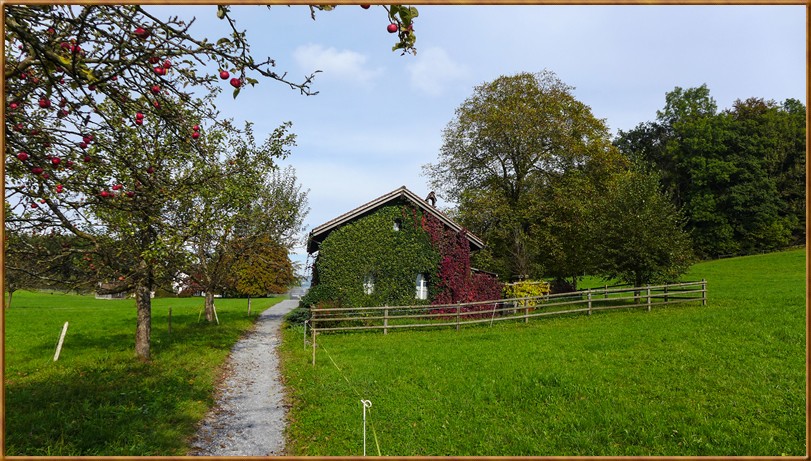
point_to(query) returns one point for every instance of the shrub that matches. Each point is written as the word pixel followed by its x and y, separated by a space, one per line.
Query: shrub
pixel 297 316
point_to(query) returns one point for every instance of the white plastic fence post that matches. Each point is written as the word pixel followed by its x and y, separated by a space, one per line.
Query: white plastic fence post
pixel 366 404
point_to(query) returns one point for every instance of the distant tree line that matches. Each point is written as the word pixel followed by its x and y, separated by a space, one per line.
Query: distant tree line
pixel 738 174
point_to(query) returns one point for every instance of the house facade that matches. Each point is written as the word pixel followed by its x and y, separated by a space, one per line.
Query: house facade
pixel 397 249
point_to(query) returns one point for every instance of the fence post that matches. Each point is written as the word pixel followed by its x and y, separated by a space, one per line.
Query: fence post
pixel 605 291
pixel 312 329
pixel 61 340
pixel 589 297
pixel 458 312
pixel 526 312
pixel 648 298
pixel 386 320
pixel 666 287
pixel 703 292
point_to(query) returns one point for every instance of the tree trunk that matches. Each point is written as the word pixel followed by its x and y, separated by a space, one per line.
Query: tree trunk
pixel 143 329
pixel 209 306
pixel 637 293
pixel 10 294
pixel 249 305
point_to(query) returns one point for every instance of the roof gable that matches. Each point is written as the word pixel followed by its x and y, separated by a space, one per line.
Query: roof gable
pixel 319 233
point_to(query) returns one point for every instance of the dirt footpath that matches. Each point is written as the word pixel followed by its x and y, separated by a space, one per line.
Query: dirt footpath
pixel 249 416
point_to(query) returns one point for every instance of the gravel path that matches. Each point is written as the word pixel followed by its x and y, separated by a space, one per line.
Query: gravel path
pixel 249 416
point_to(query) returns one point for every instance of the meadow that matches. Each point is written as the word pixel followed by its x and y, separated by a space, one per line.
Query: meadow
pixel 725 379
pixel 98 399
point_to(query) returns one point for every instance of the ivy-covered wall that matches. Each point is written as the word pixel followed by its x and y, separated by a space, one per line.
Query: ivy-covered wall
pixel 371 246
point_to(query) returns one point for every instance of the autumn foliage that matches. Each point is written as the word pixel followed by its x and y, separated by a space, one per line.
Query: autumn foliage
pixel 455 280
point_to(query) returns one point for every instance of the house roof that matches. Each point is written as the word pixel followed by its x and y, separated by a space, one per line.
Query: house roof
pixel 319 233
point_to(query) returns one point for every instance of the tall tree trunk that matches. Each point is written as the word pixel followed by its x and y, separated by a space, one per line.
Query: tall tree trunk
pixel 209 306
pixel 10 294
pixel 143 329
pixel 249 305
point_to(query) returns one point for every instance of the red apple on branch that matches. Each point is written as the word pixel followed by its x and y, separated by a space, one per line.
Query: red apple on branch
pixel 142 33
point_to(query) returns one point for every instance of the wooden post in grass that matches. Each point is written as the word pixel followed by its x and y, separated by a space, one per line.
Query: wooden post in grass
pixel 214 307
pixel 666 286
pixel 386 320
pixel 312 329
pixel 589 298
pixel 703 292
pixel 648 298
pixel 170 320
pixel 458 312
pixel 526 312
pixel 61 340
pixel 605 291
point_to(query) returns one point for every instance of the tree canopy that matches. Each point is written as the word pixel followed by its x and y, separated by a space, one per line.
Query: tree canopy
pixel 738 174
pixel 514 144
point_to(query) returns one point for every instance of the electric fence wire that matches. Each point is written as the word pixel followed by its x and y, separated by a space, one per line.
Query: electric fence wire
pixel 355 390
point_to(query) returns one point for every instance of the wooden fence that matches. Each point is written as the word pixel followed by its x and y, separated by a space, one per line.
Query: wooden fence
pixel 515 309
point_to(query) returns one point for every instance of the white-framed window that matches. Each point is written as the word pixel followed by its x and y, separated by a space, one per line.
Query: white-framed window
pixel 422 287
pixel 398 224
pixel 369 284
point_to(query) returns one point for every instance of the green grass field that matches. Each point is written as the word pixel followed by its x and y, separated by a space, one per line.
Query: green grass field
pixel 726 379
pixel 98 399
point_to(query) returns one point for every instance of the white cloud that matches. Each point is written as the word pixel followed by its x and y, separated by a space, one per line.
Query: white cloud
pixel 341 64
pixel 434 70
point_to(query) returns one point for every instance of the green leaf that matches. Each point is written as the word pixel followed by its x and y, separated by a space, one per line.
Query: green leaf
pixel 236 92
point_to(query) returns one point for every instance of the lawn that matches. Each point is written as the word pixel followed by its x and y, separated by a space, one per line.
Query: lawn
pixel 98 399
pixel 725 379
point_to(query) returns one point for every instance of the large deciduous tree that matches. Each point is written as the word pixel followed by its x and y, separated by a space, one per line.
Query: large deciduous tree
pixel 105 134
pixel 510 146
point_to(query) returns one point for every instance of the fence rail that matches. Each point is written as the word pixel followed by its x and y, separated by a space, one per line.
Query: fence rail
pixel 515 309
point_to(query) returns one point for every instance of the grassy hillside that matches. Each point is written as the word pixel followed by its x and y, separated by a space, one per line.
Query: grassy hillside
pixel 726 379
pixel 98 399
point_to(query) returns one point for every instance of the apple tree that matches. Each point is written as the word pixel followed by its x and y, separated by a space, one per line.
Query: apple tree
pixel 106 131
pixel 221 211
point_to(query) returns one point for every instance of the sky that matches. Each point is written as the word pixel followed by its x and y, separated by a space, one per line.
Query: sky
pixel 379 115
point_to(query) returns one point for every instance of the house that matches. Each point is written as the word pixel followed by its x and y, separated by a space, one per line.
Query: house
pixel 397 249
